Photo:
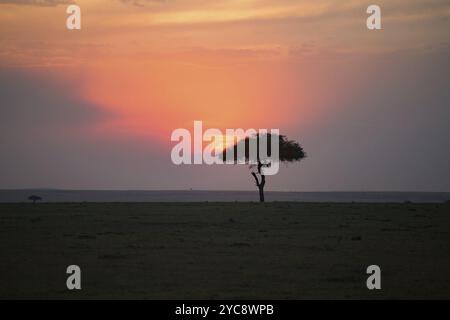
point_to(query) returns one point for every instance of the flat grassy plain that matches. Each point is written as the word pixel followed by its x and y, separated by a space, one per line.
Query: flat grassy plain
pixel 224 250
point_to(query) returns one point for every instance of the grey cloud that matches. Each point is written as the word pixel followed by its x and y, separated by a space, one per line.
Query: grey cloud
pixel 32 102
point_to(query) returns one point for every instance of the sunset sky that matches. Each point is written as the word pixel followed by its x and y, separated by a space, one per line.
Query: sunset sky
pixel 94 108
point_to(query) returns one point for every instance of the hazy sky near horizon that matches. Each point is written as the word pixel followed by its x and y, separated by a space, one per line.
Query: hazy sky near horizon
pixel 94 109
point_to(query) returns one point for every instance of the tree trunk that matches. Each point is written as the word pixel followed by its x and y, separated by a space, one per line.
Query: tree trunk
pixel 260 183
pixel 261 193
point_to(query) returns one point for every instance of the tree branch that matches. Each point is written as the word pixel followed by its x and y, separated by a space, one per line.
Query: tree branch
pixel 259 166
pixel 256 179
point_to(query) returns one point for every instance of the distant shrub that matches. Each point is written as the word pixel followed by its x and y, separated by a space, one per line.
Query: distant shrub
pixel 34 198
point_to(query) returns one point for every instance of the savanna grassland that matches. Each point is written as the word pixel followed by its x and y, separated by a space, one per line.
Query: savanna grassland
pixel 224 250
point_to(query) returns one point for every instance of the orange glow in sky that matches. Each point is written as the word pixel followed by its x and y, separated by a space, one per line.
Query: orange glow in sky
pixel 160 65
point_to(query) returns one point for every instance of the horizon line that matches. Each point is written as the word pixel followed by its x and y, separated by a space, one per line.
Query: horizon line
pixel 221 190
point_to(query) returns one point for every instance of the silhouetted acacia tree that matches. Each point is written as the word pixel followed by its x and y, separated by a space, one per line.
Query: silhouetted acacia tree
pixel 34 198
pixel 289 151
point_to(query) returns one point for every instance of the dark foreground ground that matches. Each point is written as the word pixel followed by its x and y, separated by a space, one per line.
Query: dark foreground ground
pixel 225 250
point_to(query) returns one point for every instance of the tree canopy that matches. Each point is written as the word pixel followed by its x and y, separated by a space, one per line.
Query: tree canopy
pixel 289 150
